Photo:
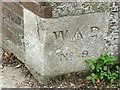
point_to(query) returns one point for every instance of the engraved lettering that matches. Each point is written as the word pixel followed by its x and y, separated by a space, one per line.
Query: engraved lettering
pixel 78 34
pixel 64 34
pixel 94 31
pixel 94 28
pixel 71 54
pixel 63 56
pixel 67 56
pixel 60 33
pixel 84 53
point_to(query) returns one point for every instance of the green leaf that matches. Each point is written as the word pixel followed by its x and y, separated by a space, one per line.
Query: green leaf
pixel 102 68
pixel 105 68
pixel 117 67
pixel 92 67
pixel 88 77
pixel 93 74
pixel 101 77
pixel 93 80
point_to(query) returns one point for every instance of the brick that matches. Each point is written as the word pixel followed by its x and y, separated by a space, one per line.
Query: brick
pixel 46 11
pixel 10 14
pixel 35 8
pixel 6 32
pixel 44 3
pixel 11 0
pixel 14 38
pixel 5 11
pixel 15 7
pixel 12 26
pixel 16 19
pixel 0 7
pixel 42 11
pixel 29 1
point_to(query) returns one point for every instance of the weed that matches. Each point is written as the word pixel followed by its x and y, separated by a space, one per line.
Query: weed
pixel 103 68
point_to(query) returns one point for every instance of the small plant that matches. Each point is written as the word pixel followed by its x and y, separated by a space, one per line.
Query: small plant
pixel 103 68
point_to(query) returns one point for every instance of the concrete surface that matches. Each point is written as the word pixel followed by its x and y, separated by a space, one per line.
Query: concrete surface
pixel 61 45
pixel 14 78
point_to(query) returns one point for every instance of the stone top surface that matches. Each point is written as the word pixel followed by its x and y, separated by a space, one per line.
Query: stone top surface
pixel 61 9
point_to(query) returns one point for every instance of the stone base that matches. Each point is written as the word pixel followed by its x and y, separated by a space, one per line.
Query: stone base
pixel 61 45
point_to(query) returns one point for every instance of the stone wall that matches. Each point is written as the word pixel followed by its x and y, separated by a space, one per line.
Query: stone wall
pixel 12 28
pixel 12 24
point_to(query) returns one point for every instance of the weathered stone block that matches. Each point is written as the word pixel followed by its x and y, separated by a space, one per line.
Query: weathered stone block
pixel 61 45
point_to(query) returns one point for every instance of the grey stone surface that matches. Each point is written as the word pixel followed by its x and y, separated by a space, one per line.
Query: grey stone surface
pixel 61 9
pixel 61 45
pixel 113 33
pixel 119 32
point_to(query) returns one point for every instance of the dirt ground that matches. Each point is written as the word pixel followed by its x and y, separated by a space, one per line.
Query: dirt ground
pixel 14 78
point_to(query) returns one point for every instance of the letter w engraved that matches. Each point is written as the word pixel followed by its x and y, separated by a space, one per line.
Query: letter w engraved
pixel 60 33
